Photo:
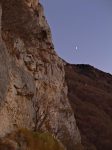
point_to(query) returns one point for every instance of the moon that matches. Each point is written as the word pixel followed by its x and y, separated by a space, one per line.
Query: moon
pixel 76 48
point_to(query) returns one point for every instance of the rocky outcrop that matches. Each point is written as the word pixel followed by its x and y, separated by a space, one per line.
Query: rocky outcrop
pixel 90 94
pixel 33 91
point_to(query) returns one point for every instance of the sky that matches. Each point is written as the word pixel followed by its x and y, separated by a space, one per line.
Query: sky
pixel 82 31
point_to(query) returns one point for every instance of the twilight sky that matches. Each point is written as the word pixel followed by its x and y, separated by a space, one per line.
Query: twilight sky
pixel 85 24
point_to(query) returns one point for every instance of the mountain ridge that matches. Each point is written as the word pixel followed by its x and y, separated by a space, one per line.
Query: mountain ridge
pixel 89 92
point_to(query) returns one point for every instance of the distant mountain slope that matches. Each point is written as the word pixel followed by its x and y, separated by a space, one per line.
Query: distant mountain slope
pixel 90 94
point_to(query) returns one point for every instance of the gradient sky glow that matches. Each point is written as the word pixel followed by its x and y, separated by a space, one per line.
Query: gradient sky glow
pixel 86 24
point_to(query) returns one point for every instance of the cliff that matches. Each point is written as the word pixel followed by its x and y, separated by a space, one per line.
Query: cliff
pixel 90 94
pixel 40 93
pixel 33 90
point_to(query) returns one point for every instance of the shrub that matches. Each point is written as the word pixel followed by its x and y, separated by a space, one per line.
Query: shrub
pixel 28 140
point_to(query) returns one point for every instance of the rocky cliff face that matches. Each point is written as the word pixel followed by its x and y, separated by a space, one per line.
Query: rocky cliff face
pixel 90 94
pixel 33 91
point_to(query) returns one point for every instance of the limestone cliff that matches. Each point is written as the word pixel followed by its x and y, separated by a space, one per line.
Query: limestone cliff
pixel 33 91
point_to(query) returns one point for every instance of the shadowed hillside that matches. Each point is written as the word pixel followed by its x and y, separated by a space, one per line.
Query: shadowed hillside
pixel 90 94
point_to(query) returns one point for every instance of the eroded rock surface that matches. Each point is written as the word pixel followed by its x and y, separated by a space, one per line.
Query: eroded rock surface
pixel 33 91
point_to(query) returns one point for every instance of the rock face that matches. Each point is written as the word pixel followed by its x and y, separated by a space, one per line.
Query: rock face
pixel 4 74
pixel 33 91
pixel 90 94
